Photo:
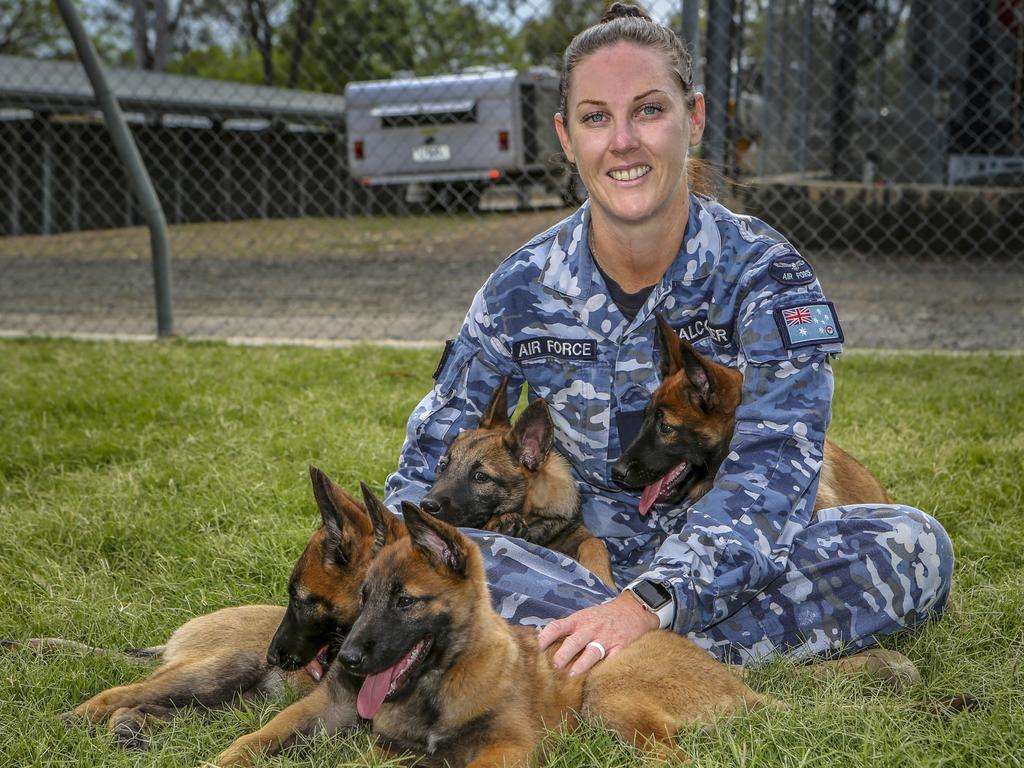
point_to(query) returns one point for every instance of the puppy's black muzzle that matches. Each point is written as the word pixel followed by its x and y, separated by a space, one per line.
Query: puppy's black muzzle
pixel 627 475
pixel 295 644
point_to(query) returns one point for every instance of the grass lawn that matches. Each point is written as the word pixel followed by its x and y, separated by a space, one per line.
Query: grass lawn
pixel 141 485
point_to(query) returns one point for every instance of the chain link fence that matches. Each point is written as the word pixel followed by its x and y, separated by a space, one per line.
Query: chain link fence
pixel 354 169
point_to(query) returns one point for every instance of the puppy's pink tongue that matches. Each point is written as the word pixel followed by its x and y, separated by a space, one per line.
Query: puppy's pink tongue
pixel 375 689
pixel 651 493
pixel 315 668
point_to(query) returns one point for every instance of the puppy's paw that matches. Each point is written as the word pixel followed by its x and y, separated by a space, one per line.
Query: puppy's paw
pixel 129 734
pixel 510 525
pixel 72 720
pixel 238 755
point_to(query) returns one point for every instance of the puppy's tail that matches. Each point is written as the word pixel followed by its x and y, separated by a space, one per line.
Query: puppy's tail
pixel 45 644
pixel 153 652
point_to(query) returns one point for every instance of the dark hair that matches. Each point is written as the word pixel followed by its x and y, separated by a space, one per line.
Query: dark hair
pixel 624 22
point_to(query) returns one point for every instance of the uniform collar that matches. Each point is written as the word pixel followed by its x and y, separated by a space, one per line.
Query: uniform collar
pixel 569 267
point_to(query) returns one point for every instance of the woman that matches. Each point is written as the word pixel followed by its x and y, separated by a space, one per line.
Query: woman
pixel 743 572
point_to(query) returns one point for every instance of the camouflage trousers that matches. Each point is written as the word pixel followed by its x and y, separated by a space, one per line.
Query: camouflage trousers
pixel 854 574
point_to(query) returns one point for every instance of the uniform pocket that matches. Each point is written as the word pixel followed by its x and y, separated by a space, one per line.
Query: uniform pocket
pixel 579 395
pixel 441 411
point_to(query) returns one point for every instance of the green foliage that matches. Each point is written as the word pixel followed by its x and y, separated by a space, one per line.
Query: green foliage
pixel 546 37
pixel 141 485
pixel 239 64
pixel 30 28
pixel 371 39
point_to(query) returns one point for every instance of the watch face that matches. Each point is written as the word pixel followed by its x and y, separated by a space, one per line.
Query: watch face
pixel 651 592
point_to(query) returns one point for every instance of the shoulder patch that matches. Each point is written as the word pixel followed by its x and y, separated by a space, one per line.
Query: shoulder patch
pixel 807 324
pixel 791 270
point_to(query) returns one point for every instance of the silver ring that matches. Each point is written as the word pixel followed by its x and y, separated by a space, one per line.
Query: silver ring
pixel 600 648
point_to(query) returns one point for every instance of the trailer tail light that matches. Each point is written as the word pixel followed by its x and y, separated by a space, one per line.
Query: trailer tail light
pixel 494 174
pixel 503 141
pixel 357 149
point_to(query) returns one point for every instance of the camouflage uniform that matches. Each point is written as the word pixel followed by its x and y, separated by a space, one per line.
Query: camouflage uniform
pixel 750 573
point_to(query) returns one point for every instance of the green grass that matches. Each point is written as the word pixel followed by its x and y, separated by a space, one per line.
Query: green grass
pixel 141 485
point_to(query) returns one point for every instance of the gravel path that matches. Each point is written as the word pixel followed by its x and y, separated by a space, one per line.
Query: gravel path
pixel 418 289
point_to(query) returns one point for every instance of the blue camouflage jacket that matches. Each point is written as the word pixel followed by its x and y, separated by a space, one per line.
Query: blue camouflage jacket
pixel 741 293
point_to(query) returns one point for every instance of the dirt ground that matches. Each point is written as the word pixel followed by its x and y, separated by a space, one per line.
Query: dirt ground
pixel 411 280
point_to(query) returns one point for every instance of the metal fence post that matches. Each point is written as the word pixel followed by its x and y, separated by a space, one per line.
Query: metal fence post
pixel 716 78
pixel 691 30
pixel 129 155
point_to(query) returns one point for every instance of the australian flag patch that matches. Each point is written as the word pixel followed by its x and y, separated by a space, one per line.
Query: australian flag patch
pixel 808 324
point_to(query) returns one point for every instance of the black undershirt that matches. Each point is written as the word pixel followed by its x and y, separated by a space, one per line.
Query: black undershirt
pixel 628 303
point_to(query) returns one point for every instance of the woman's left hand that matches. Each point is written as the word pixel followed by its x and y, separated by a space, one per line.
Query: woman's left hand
pixel 614 625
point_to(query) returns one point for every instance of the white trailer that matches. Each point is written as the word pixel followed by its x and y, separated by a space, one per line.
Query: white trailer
pixel 449 139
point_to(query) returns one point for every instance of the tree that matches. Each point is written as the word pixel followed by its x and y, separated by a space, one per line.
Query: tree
pixel 29 28
pixel 545 38
pixel 849 46
pixel 302 24
pixel 153 29
pixel 146 34
pixel 256 16
pixel 372 39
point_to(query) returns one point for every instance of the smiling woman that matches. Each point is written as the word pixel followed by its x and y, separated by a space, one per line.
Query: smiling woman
pixel 746 571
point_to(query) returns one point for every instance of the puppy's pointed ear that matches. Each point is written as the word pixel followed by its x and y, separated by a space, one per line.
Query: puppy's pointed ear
pixel 698 371
pixel 343 518
pixel 385 524
pixel 496 413
pixel 443 545
pixel 532 436
pixel 670 345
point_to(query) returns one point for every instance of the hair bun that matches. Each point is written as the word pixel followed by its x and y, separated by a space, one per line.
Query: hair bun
pixel 624 10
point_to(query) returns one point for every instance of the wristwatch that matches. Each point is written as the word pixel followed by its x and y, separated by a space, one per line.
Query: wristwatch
pixel 657 598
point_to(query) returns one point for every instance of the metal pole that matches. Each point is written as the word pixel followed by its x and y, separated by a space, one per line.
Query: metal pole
pixel 691 29
pixel 129 155
pixel 716 78
pixel 47 181
pixel 803 126
pixel 14 192
pixel 769 95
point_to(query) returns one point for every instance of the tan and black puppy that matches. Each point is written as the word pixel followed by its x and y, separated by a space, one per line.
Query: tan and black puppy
pixel 508 478
pixel 687 429
pixel 447 679
pixel 318 588
pixel 238 653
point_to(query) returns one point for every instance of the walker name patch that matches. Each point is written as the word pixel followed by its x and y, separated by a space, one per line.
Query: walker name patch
pixel 808 324
pixel 547 346
pixel 791 270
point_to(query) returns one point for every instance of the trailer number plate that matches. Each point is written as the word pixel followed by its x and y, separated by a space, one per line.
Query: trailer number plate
pixel 431 153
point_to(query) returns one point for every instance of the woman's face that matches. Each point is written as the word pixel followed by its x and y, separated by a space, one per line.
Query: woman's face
pixel 627 129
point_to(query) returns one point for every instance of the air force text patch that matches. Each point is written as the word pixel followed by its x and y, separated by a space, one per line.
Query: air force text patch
pixel 807 324
pixel 791 270
pixel 548 346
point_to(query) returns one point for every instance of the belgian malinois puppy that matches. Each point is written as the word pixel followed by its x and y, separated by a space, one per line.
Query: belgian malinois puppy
pixel 238 653
pixel 324 580
pixel 508 479
pixel 446 678
pixel 688 427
